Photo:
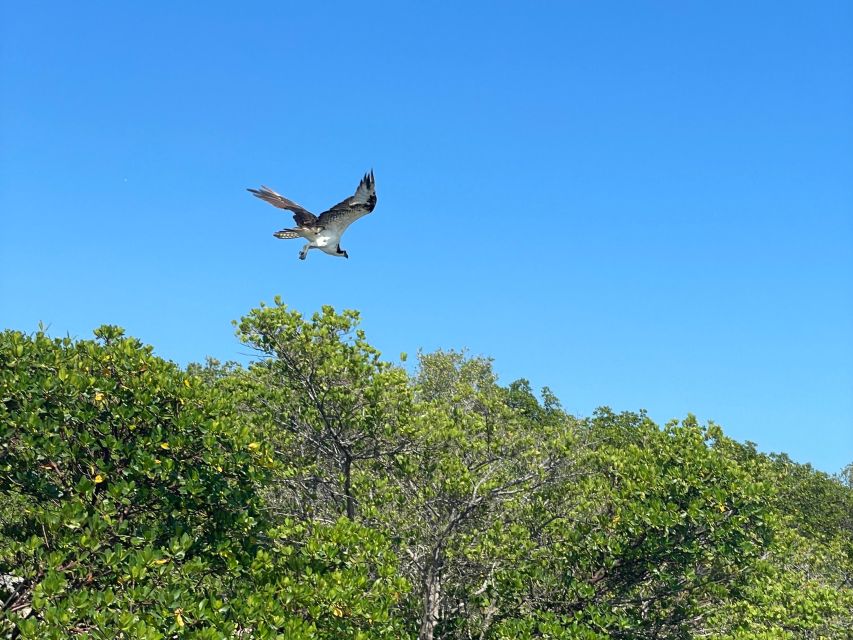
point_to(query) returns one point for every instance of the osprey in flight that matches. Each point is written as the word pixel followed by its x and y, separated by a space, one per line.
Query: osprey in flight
pixel 324 232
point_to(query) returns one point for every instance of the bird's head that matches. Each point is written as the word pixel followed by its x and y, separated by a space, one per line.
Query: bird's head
pixel 341 253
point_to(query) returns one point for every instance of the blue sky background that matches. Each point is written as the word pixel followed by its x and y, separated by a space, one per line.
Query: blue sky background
pixel 638 204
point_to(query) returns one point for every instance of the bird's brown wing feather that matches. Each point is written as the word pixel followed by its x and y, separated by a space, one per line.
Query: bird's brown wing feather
pixel 301 215
pixel 364 197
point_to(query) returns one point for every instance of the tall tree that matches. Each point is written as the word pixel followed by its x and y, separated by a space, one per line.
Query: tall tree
pixel 333 401
pixel 482 453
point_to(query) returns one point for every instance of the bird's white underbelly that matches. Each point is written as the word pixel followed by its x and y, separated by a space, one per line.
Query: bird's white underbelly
pixel 328 242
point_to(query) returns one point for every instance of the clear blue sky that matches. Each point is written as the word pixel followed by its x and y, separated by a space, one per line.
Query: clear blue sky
pixel 638 204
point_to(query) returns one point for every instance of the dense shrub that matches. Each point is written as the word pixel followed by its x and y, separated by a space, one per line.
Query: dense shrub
pixel 132 508
pixel 323 493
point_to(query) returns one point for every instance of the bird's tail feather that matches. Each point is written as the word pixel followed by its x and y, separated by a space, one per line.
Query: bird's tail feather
pixel 286 234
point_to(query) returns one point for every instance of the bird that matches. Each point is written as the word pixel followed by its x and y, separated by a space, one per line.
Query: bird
pixel 323 232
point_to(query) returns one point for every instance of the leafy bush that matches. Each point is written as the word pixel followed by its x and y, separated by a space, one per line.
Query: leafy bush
pixel 133 509
pixel 324 493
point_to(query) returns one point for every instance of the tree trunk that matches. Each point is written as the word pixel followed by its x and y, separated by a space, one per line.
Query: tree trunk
pixel 432 599
pixel 348 488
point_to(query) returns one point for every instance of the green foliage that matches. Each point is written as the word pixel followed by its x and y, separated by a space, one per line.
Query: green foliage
pixel 803 586
pixel 324 493
pixel 799 590
pixel 482 454
pixel 326 582
pixel 656 529
pixel 132 483
pixel 133 506
pixel 329 396
pixel 820 505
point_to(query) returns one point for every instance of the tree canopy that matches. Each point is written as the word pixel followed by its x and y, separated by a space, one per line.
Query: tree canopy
pixel 323 492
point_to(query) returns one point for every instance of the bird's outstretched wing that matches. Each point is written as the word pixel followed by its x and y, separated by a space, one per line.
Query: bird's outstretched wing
pixel 348 211
pixel 301 215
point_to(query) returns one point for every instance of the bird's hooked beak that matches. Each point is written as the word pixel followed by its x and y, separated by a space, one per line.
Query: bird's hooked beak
pixel 346 255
